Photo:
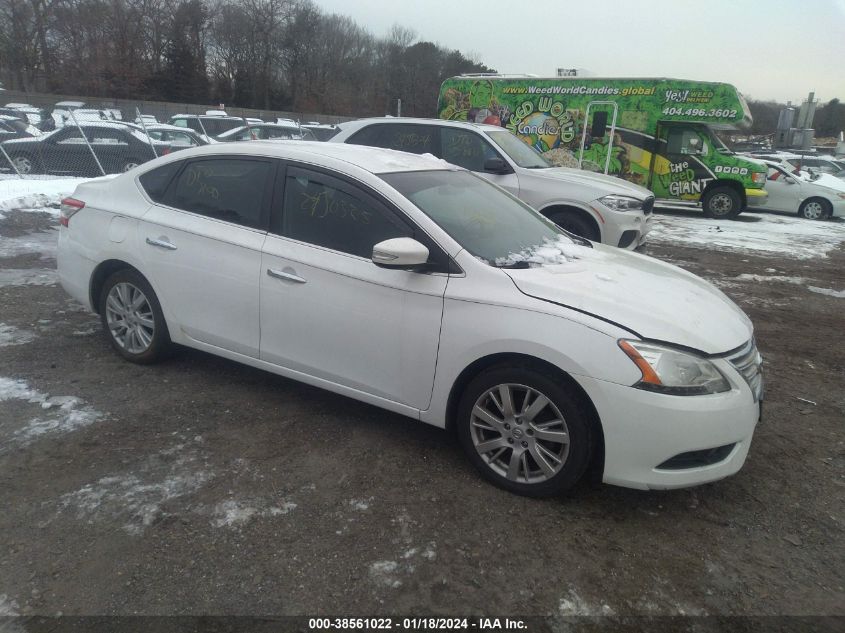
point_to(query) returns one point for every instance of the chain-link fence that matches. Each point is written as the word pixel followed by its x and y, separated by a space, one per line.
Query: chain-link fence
pixel 73 137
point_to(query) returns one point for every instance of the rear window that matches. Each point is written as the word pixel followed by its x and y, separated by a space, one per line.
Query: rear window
pixel 417 139
pixel 155 181
pixel 230 189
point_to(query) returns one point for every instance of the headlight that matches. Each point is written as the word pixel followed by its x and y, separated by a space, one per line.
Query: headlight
pixel 758 177
pixel 621 203
pixel 670 371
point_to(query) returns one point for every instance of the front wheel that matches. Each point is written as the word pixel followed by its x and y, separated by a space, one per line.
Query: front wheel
pixel 23 164
pixel 132 163
pixel 524 432
pixel 815 209
pixel 132 318
pixel 722 203
pixel 575 224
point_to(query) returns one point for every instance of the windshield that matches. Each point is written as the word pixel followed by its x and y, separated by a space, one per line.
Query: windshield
pixel 520 153
pixel 718 144
pixel 489 223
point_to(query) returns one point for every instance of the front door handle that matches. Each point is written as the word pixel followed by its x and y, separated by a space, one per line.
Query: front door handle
pixel 287 275
pixel 161 244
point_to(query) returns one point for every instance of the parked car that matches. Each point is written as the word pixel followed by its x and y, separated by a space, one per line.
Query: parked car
pixel 209 125
pixel 597 207
pixel 419 287
pixel 176 137
pixel 322 131
pixel 13 127
pixel 34 115
pixel 149 119
pixel 813 197
pixel 266 131
pixel 119 147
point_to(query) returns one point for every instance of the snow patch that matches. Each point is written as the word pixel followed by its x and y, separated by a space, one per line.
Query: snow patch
pixel 384 572
pixel 28 277
pixel 765 278
pixel 233 513
pixel 60 414
pixel 761 234
pixel 138 497
pixel 36 194
pixel 361 504
pixel 8 607
pixel 839 294
pixel 574 605
pixel 45 243
pixel 10 335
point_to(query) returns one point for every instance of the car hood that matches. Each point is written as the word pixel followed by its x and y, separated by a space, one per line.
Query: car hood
pixel 606 185
pixel 653 299
pixel 829 182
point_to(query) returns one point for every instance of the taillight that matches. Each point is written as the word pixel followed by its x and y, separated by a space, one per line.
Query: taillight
pixel 165 151
pixel 69 207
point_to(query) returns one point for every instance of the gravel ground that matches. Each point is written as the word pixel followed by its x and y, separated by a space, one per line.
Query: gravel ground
pixel 200 486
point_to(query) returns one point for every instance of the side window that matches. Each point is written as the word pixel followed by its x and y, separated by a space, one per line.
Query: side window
pixel 99 136
pixel 70 136
pixel 325 212
pixel 370 135
pixel 179 122
pixel 685 141
pixel 181 140
pixel 230 189
pixel 417 139
pixel 465 149
pixel 156 180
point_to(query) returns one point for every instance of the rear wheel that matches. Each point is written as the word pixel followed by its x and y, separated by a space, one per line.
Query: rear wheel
pixel 131 163
pixel 23 164
pixel 576 224
pixel 132 318
pixel 815 209
pixel 722 203
pixel 524 431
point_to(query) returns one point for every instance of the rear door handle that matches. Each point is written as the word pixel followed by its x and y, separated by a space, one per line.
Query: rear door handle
pixel 286 275
pixel 161 244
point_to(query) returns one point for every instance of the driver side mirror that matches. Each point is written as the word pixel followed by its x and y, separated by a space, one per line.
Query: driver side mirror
pixel 400 252
pixel 496 166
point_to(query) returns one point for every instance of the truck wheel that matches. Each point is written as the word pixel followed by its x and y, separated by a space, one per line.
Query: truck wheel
pixel 815 209
pixel 722 203
pixel 575 224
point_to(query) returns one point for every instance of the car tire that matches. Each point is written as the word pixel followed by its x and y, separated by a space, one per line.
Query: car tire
pixel 722 203
pixel 815 209
pixel 519 451
pixel 132 163
pixel 24 164
pixel 574 223
pixel 132 318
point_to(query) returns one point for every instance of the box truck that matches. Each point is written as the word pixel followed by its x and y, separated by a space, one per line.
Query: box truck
pixel 659 133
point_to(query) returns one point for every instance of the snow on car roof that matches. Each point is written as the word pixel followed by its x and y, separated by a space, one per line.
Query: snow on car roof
pixel 372 159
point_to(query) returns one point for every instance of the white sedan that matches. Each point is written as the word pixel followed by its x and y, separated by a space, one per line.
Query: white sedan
pixel 813 197
pixel 417 286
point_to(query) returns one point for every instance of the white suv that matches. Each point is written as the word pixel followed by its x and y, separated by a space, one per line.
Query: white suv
pixel 597 207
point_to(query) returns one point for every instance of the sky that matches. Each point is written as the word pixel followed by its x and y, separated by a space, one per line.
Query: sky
pixel 769 49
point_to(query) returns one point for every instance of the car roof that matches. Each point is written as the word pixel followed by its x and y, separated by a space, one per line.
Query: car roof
pixel 205 116
pixel 372 159
pixel 420 121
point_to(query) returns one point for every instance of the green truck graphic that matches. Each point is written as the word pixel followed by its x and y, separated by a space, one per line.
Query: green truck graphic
pixel 658 133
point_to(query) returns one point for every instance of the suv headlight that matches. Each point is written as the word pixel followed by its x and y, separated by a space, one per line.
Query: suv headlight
pixel 621 203
pixel 671 371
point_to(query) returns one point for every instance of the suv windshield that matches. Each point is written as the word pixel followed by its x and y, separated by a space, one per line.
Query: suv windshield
pixel 524 156
pixel 489 223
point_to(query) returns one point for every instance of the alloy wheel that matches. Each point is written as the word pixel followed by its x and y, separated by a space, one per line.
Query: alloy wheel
pixel 23 164
pixel 129 316
pixel 721 204
pixel 813 210
pixel 519 433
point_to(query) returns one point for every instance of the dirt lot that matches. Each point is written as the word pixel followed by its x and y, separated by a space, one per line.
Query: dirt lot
pixel 201 486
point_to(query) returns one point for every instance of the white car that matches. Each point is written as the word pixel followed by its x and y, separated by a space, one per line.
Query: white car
pixel 417 286
pixel 813 197
pixel 598 207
